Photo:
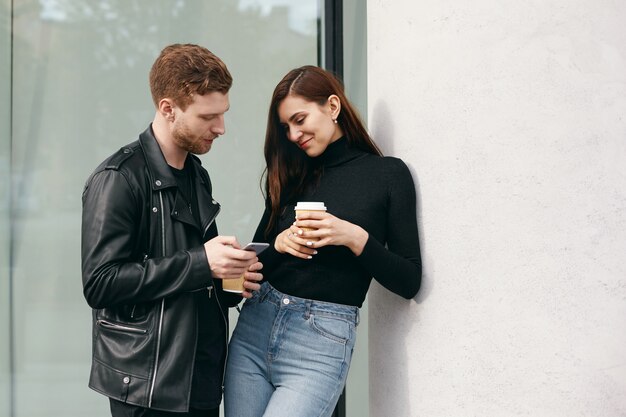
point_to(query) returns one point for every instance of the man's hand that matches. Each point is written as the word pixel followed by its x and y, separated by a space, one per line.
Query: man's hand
pixel 252 277
pixel 226 258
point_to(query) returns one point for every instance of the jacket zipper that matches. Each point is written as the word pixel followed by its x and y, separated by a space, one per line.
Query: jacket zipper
pixel 132 313
pixel 115 326
pixel 160 328
pixel 206 229
pixel 219 305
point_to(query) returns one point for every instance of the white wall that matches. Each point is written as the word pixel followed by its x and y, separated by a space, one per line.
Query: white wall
pixel 512 118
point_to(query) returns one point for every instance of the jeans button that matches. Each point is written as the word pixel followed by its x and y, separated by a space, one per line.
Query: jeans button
pixel 285 301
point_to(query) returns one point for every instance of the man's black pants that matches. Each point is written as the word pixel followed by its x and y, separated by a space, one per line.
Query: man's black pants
pixel 120 409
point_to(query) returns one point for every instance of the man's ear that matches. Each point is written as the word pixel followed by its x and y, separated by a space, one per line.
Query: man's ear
pixel 166 109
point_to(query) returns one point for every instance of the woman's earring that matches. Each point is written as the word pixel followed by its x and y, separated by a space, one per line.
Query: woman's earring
pixel 335 120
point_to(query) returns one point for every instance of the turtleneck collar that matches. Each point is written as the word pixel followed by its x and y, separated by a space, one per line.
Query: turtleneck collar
pixel 337 153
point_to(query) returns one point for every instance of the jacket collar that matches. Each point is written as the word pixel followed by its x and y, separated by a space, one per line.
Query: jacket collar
pixel 159 171
pixel 161 177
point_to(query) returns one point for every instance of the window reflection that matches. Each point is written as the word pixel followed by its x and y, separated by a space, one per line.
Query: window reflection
pixel 80 73
pixel 301 15
pixel 5 175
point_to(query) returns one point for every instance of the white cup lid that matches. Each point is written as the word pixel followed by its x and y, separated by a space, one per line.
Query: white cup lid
pixel 310 205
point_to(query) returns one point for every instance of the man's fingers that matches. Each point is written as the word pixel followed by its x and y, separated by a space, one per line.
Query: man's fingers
pixel 227 240
pixel 253 276
pixel 257 266
pixel 241 255
pixel 252 285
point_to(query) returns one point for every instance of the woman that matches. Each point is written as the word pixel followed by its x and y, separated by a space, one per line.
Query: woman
pixel 291 349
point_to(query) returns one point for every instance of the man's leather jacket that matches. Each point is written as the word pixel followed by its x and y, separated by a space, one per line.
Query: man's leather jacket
pixel 141 273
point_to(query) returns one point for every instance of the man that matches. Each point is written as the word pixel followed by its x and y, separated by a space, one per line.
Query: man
pixel 152 260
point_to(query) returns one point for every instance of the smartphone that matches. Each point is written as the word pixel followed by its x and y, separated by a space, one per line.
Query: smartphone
pixel 257 247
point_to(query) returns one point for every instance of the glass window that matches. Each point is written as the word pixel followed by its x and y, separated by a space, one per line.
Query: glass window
pixel 355 79
pixel 5 180
pixel 79 76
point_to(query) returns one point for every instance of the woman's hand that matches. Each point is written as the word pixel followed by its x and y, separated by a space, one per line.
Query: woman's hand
pixel 329 230
pixel 290 241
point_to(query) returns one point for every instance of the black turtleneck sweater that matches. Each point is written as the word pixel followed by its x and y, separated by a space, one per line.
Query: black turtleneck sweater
pixel 374 192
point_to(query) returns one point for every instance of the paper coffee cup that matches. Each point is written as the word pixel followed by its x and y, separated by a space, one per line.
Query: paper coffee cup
pixel 233 285
pixel 308 206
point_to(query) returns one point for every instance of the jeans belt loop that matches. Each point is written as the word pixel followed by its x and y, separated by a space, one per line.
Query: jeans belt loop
pixel 265 290
pixel 307 309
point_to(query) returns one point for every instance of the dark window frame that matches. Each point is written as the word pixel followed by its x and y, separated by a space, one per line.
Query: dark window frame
pixel 332 39
pixel 333 36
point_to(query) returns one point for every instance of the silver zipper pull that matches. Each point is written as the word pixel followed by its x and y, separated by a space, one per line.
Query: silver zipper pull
pixel 210 290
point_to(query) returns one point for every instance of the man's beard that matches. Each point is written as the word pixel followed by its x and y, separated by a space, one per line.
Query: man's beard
pixel 184 139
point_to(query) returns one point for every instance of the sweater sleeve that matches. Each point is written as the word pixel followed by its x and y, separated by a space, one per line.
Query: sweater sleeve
pixel 269 257
pixel 398 266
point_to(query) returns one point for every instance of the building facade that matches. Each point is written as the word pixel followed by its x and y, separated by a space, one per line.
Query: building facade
pixel 512 119
pixel 510 115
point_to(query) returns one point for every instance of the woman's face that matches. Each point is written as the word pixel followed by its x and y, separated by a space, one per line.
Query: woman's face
pixel 309 125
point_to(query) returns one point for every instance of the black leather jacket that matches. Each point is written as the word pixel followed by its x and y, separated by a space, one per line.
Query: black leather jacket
pixel 141 273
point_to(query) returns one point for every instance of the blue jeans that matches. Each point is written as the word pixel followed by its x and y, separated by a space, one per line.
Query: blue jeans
pixel 288 356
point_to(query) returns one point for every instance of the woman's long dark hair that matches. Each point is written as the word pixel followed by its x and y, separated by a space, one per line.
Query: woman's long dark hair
pixel 289 169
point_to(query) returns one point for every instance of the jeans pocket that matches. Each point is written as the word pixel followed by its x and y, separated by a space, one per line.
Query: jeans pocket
pixel 336 329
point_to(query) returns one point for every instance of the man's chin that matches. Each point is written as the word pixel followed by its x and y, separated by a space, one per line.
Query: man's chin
pixel 201 151
pixel 199 148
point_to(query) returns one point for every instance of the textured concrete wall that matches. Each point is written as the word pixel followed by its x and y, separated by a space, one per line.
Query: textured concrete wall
pixel 512 118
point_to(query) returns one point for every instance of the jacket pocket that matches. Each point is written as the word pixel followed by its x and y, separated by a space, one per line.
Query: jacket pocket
pixel 127 347
pixel 120 327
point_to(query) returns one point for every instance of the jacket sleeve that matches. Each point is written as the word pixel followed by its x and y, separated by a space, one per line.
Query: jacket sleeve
pixel 114 270
pixel 398 266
